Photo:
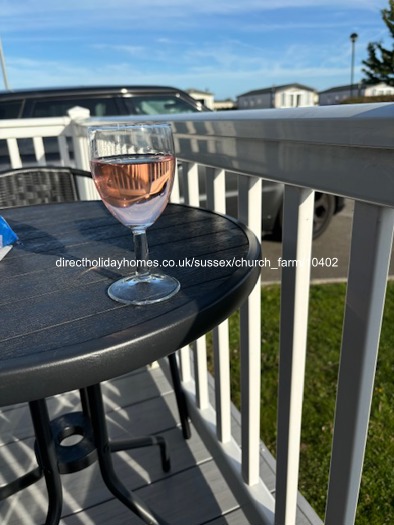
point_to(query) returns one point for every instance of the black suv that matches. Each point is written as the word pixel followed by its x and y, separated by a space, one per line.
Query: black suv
pixel 101 101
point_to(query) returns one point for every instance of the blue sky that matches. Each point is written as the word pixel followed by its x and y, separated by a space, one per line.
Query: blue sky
pixel 226 46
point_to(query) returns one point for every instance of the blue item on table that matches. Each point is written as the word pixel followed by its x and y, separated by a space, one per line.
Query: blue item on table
pixel 7 238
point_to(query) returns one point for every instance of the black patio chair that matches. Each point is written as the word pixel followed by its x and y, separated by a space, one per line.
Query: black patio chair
pixel 50 184
pixel 39 185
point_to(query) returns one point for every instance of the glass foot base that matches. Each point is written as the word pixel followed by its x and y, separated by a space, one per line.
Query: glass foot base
pixel 143 290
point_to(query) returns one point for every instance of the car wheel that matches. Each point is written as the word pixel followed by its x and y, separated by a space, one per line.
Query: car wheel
pixel 323 212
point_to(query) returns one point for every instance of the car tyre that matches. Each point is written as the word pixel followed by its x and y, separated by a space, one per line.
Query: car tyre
pixel 324 210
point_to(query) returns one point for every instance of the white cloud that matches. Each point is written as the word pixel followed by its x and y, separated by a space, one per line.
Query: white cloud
pixel 125 49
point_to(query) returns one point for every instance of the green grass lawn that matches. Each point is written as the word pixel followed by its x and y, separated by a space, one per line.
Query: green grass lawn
pixel 376 503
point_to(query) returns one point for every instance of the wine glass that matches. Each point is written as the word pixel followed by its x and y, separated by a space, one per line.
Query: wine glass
pixel 133 167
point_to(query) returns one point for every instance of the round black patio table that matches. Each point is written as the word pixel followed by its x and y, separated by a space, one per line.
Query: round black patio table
pixel 60 331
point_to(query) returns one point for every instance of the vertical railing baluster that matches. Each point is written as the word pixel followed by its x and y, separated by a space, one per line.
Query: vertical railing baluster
pixel 175 194
pixel 249 212
pixel 192 198
pixel 86 187
pixel 80 145
pixel 200 372
pixel 39 151
pixel 63 149
pixel 296 255
pixel 216 189
pixel 13 151
pixel 190 183
pixel 184 363
pixel 221 349
pixel 216 200
pixel 367 280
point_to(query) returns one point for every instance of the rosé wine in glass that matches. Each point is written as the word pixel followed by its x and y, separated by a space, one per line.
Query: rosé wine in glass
pixel 135 188
pixel 133 167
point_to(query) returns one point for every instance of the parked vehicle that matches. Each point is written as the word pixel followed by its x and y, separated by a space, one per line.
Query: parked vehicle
pixel 136 100
pixel 101 101
pixel 326 206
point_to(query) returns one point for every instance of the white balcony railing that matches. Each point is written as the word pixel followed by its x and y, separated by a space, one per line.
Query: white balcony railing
pixel 341 150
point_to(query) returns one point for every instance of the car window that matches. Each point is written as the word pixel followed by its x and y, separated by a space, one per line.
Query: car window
pixel 99 107
pixel 10 109
pixel 158 105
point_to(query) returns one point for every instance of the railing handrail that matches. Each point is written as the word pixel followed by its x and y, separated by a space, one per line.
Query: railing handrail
pixel 332 149
pixel 18 127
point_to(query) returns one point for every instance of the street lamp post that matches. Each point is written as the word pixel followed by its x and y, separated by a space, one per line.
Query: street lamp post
pixel 353 38
pixel 3 68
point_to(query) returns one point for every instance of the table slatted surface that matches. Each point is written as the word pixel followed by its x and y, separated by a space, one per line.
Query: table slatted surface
pixel 60 331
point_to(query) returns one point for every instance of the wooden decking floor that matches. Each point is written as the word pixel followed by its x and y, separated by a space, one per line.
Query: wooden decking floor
pixel 194 492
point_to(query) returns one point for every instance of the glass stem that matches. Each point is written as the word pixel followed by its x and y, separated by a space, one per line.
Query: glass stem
pixel 141 252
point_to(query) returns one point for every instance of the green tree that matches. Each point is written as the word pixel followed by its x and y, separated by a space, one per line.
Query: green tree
pixel 379 67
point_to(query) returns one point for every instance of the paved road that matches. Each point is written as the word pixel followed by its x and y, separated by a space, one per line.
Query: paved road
pixel 333 246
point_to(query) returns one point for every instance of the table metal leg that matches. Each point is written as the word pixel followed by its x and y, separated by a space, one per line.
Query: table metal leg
pixel 180 396
pixel 53 460
pixel 110 478
pixel 84 402
pixel 131 443
pixel 47 459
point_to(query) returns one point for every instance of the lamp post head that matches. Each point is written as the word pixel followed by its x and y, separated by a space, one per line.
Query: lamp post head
pixel 353 37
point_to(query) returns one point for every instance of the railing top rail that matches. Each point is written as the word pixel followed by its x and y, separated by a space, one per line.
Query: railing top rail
pixel 33 122
pixel 346 150
pixel 364 125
